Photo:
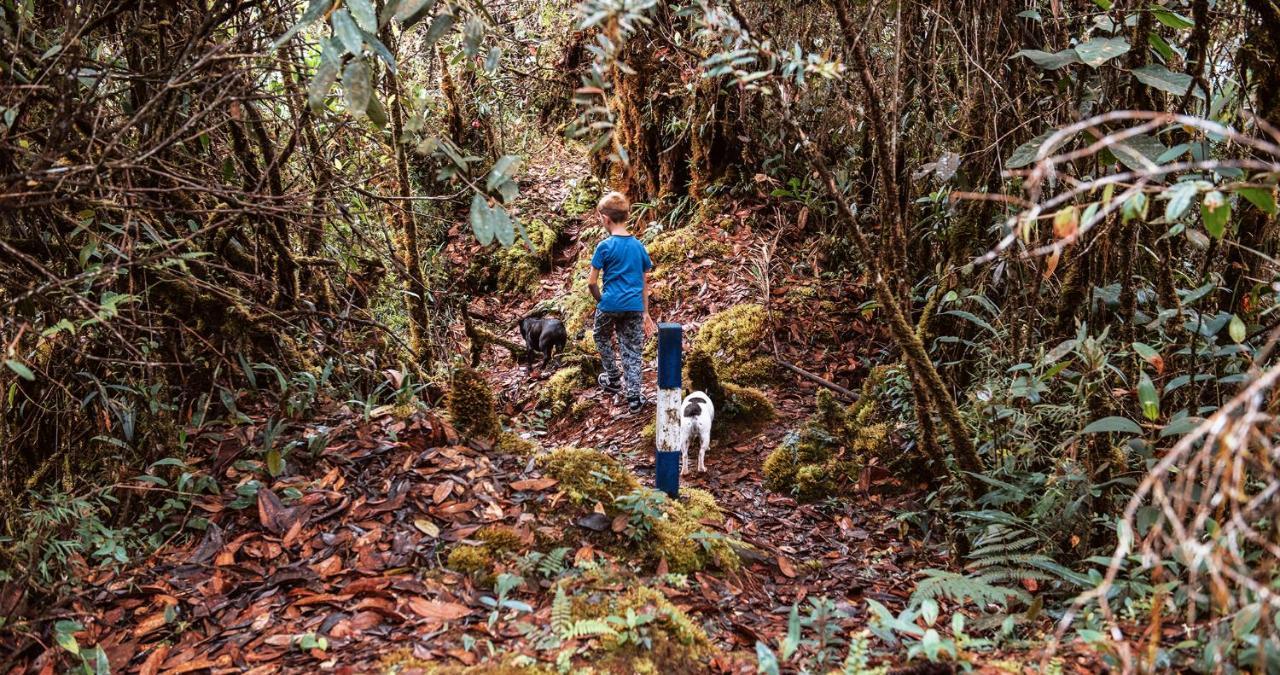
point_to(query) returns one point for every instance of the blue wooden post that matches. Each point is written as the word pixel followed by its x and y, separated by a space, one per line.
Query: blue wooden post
pixel 670 390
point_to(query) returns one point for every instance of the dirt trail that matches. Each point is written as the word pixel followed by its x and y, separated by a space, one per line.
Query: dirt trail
pixel 847 551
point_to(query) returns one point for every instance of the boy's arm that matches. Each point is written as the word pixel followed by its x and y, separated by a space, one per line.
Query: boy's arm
pixel 649 326
pixel 593 284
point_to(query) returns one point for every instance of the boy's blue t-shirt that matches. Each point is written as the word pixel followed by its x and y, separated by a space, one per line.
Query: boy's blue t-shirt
pixel 623 263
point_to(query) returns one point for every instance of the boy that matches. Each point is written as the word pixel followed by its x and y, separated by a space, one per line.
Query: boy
pixel 622 309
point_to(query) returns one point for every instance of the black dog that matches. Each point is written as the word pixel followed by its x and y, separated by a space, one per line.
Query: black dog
pixel 543 335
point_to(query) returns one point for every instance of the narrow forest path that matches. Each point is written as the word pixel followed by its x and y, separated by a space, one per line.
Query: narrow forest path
pixel 844 550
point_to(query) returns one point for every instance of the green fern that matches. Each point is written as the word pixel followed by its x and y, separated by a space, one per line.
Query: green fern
pixel 963 588
pixel 561 614
pixel 553 563
pixel 589 628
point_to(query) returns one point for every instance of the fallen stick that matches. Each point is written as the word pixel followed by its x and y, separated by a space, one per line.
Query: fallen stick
pixel 852 396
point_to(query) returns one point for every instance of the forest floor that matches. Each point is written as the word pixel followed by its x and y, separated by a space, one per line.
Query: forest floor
pixel 339 563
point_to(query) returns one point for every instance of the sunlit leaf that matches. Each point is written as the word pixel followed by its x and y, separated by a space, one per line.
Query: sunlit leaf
pixel 1148 397
pixel 1179 199
pixel 1098 51
pixel 21 369
pixel 1050 60
pixel 1237 330
pixel 1171 19
pixel 1263 198
pixel 1156 75
pixel 364 14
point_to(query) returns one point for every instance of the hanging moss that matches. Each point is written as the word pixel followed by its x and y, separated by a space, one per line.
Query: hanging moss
pixel 733 338
pixel 471 405
pixel 827 452
pixel 560 390
pixel 588 476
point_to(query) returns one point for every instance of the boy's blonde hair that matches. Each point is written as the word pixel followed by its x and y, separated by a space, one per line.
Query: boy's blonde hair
pixel 615 206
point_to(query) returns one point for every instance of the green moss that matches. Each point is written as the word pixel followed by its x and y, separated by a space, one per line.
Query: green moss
pixel 559 391
pixel 588 475
pixel 520 266
pixel 681 245
pixel 499 539
pixel 471 405
pixel 733 338
pixel 674 540
pixel 739 409
pixel 469 560
pixel 827 451
pixel 676 639
pixel 510 443
pixel 404 661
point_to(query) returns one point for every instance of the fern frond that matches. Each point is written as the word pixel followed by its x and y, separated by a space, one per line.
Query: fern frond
pixel 561 613
pixel 962 588
pixel 589 628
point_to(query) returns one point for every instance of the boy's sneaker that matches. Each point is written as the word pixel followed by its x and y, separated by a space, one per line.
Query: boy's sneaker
pixel 635 404
pixel 607 385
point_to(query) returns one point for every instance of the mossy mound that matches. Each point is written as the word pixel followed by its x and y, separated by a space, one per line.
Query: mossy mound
pixel 669 249
pixel 468 559
pixel 510 443
pixel 559 391
pixel 587 475
pixel 499 539
pixel 520 266
pixel 582 197
pixel 827 452
pixel 676 640
pixel 471 405
pixel 738 408
pixel 673 535
pixel 733 338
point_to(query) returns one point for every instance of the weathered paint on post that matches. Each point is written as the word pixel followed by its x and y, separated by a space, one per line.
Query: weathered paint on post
pixel 670 388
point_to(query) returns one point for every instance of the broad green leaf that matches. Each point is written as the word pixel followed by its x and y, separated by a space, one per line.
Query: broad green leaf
pixel 323 80
pixel 1215 210
pixel 364 14
pixel 1113 424
pixel 314 11
pixel 275 462
pixel 1179 196
pixel 1104 5
pixel 1172 19
pixel 356 87
pixel 348 32
pixel 1098 51
pixel 480 221
pixel 1263 198
pixel 21 369
pixel 1156 75
pixel 1180 426
pixel 1148 397
pixel 502 171
pixel 1160 45
pixel 1025 154
pixel 501 226
pixel 439 26
pixel 377 114
pixel 375 45
pixel 1134 207
pixel 970 317
pixel 1236 329
pixel 1145 350
pixel 412 11
pixel 1131 151
pixel 472 34
pixel 1050 60
pixel 929 611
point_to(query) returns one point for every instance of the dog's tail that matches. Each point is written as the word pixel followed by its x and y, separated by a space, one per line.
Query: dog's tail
pixel 692 410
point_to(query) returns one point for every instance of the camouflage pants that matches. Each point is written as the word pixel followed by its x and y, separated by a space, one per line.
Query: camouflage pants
pixel 629 329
